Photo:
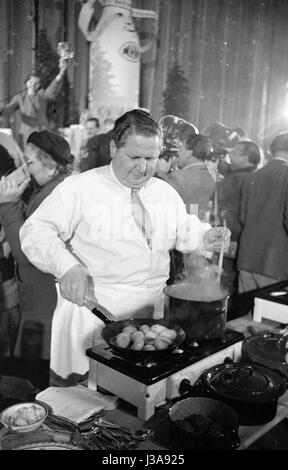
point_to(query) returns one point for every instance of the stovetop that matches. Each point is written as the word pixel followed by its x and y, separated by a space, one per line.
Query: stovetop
pixel 152 372
pixel 274 293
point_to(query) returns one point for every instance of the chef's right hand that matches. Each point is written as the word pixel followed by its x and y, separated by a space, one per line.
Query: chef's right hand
pixel 74 285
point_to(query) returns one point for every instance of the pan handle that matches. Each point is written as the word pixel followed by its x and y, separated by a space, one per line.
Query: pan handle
pixel 99 310
pixel 101 316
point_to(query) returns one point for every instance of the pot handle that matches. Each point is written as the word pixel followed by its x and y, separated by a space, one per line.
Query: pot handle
pixel 249 369
pixel 234 440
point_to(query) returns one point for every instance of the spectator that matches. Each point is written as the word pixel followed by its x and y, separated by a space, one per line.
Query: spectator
pixel 98 152
pixel 32 103
pixel 263 246
pixel 12 147
pixel 244 157
pixel 108 124
pixel 175 129
pixel 193 181
pixel 92 126
pixel 10 312
pixel 48 160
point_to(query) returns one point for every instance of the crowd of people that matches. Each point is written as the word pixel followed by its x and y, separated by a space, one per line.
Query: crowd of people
pixel 115 227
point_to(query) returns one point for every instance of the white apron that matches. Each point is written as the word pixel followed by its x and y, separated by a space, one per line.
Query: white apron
pixel 75 329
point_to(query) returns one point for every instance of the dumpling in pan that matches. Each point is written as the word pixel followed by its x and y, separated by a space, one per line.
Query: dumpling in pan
pixel 129 329
pixel 123 340
pixel 158 328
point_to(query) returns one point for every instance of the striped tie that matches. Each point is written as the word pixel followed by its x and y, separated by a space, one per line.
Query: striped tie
pixel 141 216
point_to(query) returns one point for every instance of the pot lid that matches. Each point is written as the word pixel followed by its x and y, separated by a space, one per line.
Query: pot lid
pixel 245 382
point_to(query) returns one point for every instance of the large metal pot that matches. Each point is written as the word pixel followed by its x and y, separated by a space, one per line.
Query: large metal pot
pixel 201 319
pixel 251 389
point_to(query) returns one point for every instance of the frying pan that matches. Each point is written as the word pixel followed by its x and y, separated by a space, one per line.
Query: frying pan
pixel 112 328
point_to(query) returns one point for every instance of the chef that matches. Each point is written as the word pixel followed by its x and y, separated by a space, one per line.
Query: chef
pixel 106 235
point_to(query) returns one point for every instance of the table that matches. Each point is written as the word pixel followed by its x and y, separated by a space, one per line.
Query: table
pixel 124 414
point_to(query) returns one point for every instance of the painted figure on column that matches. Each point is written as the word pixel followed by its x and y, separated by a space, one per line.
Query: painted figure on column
pixel 115 51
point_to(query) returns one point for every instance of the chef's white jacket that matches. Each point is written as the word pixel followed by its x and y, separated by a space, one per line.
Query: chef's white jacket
pixel 88 220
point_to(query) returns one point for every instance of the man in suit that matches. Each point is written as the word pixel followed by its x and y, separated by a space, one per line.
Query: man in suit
pixel 98 152
pixel 263 246
pixel 193 180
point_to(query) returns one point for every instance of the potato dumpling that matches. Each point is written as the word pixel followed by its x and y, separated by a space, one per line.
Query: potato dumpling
pixel 138 344
pixel 144 328
pixel 160 344
pixel 138 335
pixel 150 336
pixel 129 329
pixel 158 328
pixel 148 347
pixel 123 340
pixel 166 339
pixel 171 334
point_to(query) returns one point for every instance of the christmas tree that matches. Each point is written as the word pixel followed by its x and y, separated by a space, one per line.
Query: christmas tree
pixel 61 109
pixel 176 94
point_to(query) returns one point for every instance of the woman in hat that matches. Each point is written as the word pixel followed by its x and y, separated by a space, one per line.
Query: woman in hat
pixel 48 161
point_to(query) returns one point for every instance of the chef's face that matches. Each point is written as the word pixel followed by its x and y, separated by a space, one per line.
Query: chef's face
pixel 135 162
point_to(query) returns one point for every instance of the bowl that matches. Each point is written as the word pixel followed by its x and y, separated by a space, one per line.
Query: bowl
pixel 24 417
pixel 203 423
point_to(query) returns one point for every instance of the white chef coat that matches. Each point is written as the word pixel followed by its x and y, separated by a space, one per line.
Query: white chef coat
pixel 88 220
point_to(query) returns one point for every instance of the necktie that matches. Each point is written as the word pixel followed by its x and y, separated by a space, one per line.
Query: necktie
pixel 141 216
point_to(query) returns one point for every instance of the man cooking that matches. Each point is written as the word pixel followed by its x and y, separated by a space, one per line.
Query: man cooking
pixel 107 234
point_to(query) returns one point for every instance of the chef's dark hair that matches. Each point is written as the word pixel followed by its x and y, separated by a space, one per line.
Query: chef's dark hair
pixel 136 121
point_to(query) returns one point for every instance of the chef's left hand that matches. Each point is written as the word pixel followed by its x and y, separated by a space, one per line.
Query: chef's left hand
pixel 213 238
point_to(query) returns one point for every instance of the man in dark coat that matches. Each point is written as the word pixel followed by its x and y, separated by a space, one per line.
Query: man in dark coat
pixel 263 246
pixel 98 152
pixel 245 157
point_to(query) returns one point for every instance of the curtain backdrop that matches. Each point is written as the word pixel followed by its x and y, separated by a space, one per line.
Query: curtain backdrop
pixel 235 57
pixel 234 54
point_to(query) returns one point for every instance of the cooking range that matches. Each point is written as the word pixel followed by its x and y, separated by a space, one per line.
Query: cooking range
pixel 150 384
